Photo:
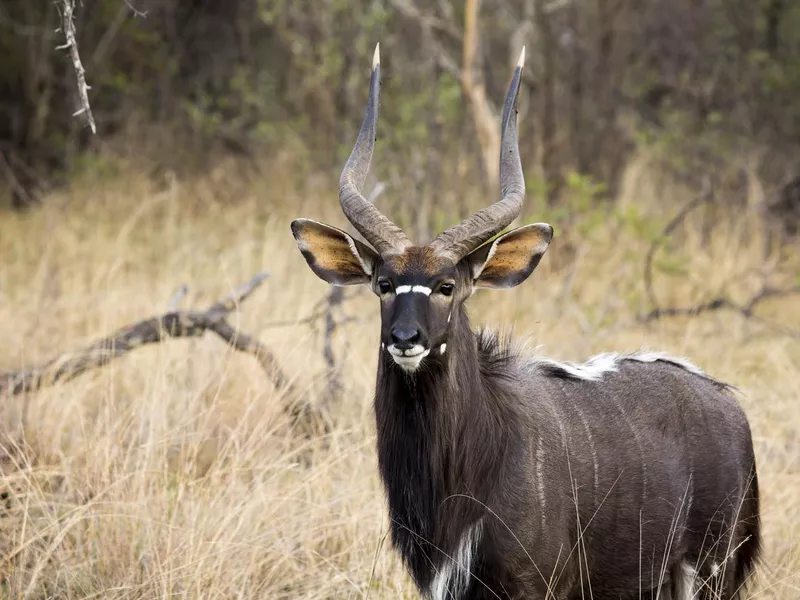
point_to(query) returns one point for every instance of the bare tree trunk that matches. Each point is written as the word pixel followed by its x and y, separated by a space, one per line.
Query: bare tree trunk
pixel 334 382
pixel 432 157
pixel 576 133
pixel 485 118
pixel 546 48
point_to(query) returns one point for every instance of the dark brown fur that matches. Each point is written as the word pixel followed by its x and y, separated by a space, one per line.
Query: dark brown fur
pixel 419 260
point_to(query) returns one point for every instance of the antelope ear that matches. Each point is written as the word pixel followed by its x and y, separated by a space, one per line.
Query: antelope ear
pixel 511 258
pixel 332 254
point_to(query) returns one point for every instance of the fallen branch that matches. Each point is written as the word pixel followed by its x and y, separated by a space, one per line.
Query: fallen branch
pixel 747 309
pixel 174 324
pixel 68 27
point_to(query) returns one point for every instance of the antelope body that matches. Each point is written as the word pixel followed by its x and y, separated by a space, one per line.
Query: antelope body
pixel 629 476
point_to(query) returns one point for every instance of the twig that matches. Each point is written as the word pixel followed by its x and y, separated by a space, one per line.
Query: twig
pixel 68 27
pixel 175 302
pixel 136 11
pixel 691 311
pixel 239 295
pixel 428 21
pixel 766 293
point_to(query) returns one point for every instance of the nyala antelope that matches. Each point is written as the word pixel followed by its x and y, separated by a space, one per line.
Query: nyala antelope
pixel 628 476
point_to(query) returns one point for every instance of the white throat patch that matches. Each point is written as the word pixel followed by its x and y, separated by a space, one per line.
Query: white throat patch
pixel 452 579
pixel 685 584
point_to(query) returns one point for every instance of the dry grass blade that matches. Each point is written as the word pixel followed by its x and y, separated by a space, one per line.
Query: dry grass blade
pixel 171 472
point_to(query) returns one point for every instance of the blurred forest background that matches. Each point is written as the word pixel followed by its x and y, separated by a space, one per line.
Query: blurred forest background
pixel 709 86
pixel 661 139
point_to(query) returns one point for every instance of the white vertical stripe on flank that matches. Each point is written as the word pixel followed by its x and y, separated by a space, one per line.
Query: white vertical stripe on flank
pixel 540 480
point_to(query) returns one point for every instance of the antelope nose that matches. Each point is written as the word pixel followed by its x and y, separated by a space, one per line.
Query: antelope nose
pixel 404 338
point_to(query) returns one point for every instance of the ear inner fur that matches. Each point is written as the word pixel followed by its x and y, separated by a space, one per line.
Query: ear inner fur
pixel 332 254
pixel 511 258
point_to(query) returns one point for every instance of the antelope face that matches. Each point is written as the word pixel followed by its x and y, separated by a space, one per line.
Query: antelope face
pixel 417 295
pixel 420 287
pixel 419 290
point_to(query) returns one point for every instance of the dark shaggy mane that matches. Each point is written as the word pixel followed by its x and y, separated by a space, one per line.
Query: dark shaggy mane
pixel 496 352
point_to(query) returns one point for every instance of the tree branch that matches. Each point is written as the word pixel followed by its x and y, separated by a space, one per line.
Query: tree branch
pixel 747 309
pixel 484 114
pixel 68 27
pixel 136 11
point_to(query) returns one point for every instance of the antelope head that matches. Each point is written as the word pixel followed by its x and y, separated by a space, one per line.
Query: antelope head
pixel 420 287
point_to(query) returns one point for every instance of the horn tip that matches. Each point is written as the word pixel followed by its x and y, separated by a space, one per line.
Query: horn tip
pixel 376 58
pixel 521 61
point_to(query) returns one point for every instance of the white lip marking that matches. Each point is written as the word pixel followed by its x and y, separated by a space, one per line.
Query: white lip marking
pixel 414 351
pixel 417 349
pixel 419 289
pixel 409 359
pixel 442 348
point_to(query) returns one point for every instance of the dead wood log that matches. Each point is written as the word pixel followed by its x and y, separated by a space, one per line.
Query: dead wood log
pixel 174 324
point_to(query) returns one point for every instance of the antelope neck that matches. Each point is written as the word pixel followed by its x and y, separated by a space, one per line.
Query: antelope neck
pixel 438 479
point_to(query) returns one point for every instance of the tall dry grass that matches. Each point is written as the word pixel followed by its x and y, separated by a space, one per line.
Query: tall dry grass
pixel 173 472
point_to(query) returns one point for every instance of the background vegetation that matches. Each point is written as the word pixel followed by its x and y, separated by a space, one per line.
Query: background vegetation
pixel 660 139
pixel 712 84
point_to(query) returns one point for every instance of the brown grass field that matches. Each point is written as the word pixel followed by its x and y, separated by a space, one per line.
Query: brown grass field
pixel 173 472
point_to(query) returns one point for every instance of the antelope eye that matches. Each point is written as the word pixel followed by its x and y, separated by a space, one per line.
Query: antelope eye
pixel 446 289
pixel 384 287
